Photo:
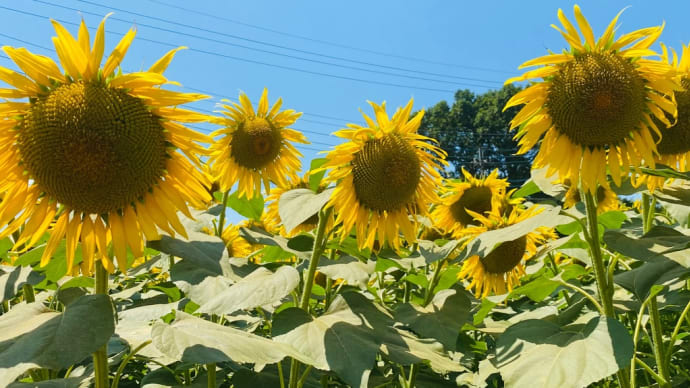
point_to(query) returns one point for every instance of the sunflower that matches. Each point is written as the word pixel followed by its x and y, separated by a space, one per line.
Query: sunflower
pixel 500 270
pixel 384 173
pixel 235 244
pixel 479 195
pixel 595 105
pixel 272 216
pixel 256 146
pixel 606 198
pixel 674 145
pixel 103 152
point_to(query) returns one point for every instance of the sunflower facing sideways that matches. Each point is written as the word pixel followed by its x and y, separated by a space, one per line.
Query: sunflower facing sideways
pixel 605 198
pixel 595 104
pixel 383 174
pixel 479 195
pixel 500 270
pixel 674 146
pixel 255 146
pixel 103 152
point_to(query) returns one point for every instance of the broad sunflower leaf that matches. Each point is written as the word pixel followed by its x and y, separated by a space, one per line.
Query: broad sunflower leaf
pixel 33 336
pixel 441 319
pixel 262 237
pixel 675 197
pixel 13 278
pixel 201 249
pixel 640 280
pixel 251 208
pixel 315 178
pixel 259 288
pixel 431 252
pixel 548 185
pixel 192 339
pixel 536 353
pixel 484 243
pixel 352 270
pixel 658 244
pixel 528 188
pixel 298 205
pixel 70 382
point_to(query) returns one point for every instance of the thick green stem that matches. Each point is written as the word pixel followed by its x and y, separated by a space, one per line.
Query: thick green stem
pixel 221 218
pixel 100 357
pixel 29 295
pixel 318 249
pixel 434 281
pixel 211 374
pixel 603 286
pixel 658 343
pixel 648 212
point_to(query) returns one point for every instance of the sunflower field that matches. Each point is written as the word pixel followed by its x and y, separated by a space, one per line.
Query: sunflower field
pixel 366 268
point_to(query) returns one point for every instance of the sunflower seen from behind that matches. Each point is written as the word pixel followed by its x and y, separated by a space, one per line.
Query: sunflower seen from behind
pixel 104 154
pixel 606 199
pixel 595 105
pixel 255 147
pixel 384 173
pixel 479 195
pixel 500 271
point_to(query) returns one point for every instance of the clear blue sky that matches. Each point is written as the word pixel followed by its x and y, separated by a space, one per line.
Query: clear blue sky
pixel 453 45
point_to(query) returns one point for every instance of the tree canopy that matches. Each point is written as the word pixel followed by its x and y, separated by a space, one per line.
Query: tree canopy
pixel 474 132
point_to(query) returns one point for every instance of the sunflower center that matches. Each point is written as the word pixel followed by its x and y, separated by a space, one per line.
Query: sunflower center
pixel 505 257
pixel 676 139
pixel 91 147
pixel 596 99
pixel 386 173
pixel 256 143
pixel 476 199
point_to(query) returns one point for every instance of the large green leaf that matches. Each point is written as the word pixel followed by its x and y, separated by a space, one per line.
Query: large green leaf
pixel 484 243
pixel 675 197
pixel 261 287
pixel 192 339
pixel 262 237
pixel 33 336
pixel 536 353
pixel 251 208
pixel 352 270
pixel 665 172
pixel 403 348
pixel 431 252
pixel 660 243
pixel 316 177
pixel 441 319
pixel 13 278
pixel 528 188
pixel 298 205
pixel 201 249
pixel 640 280
pixel 548 185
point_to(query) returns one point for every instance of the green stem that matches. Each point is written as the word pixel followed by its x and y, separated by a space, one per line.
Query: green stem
pixel 603 287
pixel 29 295
pixel 650 371
pixel 121 368
pixel 280 374
pixel 221 218
pixel 645 212
pixel 319 246
pixel 679 323
pixel 658 342
pixel 303 379
pixel 211 373
pixel 413 375
pixel 187 377
pixel 584 293
pixel 434 281
pixel 100 357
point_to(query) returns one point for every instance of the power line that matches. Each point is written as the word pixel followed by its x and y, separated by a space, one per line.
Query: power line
pixel 270 44
pixel 333 43
pixel 262 63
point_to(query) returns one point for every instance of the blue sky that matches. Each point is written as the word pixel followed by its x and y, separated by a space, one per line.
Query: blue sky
pixel 326 58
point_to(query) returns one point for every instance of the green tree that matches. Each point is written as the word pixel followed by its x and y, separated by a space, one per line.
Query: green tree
pixel 474 132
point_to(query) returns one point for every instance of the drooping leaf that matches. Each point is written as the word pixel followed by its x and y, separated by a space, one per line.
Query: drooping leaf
pixel 640 280
pixel 192 339
pixel 251 208
pixel 350 269
pixel 432 253
pixel 660 243
pixel 258 236
pixel 13 278
pixel 665 172
pixel 316 177
pixel 536 353
pixel 441 319
pixel 33 336
pixel 675 197
pixel 298 205
pixel 528 188
pixel 261 287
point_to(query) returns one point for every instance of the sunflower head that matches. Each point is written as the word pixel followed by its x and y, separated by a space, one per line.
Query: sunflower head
pixel 595 105
pixel 674 144
pixel 384 173
pixel 255 146
pixel 234 243
pixel 102 151
pixel 478 195
pixel 499 271
pixel 606 198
